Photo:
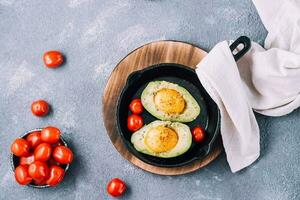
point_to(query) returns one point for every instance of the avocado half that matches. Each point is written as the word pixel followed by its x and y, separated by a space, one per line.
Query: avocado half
pixel 190 112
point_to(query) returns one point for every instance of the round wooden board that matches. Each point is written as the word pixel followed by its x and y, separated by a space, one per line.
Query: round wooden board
pixel 147 55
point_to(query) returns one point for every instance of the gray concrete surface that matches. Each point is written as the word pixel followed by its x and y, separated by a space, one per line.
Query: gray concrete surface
pixel 94 35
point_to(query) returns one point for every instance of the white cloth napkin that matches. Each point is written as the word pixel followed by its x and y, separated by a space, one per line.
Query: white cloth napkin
pixel 267 81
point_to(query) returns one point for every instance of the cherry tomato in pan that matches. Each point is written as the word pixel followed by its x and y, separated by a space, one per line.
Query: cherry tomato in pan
pixel 116 187
pixel 27 160
pixel 38 170
pixel 34 139
pixel 56 175
pixel 50 134
pixel 134 122
pixel 20 147
pixel 198 134
pixel 53 59
pixel 40 108
pixel 22 175
pixel 43 152
pixel 62 154
pixel 136 106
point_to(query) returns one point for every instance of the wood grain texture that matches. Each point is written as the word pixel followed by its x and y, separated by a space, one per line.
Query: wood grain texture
pixel 147 55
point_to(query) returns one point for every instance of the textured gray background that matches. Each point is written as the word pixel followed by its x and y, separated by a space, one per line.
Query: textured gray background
pixel 94 36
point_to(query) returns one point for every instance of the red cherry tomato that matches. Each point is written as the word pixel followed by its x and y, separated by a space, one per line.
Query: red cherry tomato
pixel 34 139
pixel 38 170
pixel 59 143
pixel 134 122
pixel 198 134
pixel 56 175
pixel 62 154
pixel 27 160
pixel 136 106
pixel 40 108
pixel 51 162
pixel 20 147
pixel 40 181
pixel 43 152
pixel 21 175
pixel 53 59
pixel 50 134
pixel 116 187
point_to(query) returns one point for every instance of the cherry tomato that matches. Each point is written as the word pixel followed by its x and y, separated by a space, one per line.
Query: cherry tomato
pixel 59 143
pixel 62 154
pixel 21 175
pixel 34 139
pixel 56 175
pixel 198 134
pixel 51 162
pixel 53 59
pixel 20 147
pixel 40 108
pixel 40 181
pixel 50 134
pixel 43 152
pixel 38 170
pixel 136 106
pixel 134 122
pixel 116 187
pixel 27 160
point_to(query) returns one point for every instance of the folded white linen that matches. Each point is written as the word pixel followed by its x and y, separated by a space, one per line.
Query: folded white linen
pixel 267 81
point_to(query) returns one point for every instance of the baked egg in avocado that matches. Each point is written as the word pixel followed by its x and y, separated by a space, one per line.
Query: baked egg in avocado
pixel 169 101
pixel 163 139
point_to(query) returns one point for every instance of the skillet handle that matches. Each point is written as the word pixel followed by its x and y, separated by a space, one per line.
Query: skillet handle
pixel 245 41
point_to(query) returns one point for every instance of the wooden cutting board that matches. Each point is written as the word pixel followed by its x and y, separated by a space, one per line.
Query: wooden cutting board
pixel 142 57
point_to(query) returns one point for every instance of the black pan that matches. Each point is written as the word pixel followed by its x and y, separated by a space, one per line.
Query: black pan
pixel 209 117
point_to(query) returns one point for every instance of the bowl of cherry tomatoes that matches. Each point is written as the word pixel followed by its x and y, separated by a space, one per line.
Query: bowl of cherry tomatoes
pixel 40 157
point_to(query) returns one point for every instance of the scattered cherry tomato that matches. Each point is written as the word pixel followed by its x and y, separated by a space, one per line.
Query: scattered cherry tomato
pixel 20 147
pixel 27 160
pixel 198 134
pixel 50 134
pixel 38 170
pixel 56 175
pixel 116 187
pixel 21 175
pixel 43 152
pixel 62 154
pixel 34 139
pixel 134 122
pixel 136 106
pixel 40 108
pixel 53 59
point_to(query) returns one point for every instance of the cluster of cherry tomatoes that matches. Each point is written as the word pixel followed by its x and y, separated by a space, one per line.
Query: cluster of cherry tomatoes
pixel 42 157
pixel 135 121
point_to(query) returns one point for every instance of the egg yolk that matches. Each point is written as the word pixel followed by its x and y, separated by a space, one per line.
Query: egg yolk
pixel 161 139
pixel 169 101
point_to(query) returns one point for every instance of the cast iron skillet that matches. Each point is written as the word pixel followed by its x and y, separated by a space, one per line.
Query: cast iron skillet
pixel 209 117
